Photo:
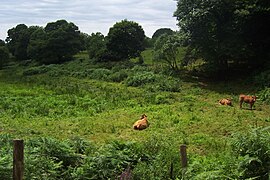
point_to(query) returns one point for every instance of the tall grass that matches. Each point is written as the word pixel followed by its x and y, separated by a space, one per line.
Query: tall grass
pixel 77 121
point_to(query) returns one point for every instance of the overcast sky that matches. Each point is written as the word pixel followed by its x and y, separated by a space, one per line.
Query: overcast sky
pixel 89 15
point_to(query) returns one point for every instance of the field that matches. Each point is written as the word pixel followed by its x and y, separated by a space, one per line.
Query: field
pixel 99 104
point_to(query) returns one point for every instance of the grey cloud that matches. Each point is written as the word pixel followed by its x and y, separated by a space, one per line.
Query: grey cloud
pixel 89 15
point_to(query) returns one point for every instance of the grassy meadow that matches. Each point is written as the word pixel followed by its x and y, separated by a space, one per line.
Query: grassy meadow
pixel 99 103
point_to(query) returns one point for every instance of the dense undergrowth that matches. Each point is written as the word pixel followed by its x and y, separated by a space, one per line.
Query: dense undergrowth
pixel 76 119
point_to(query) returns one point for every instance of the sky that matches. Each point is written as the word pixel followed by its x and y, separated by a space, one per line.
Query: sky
pixel 90 16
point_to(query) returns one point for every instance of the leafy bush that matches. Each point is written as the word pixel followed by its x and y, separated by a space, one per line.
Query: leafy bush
pixel 109 161
pixel 219 166
pixel 5 156
pixel 248 158
pixel 49 158
pixel 36 70
pixel 118 76
pixel 58 72
pixel 4 55
pixel 253 149
pixel 160 99
pixel 161 160
pixel 140 79
pixel 264 95
pixel 153 82
pixel 100 74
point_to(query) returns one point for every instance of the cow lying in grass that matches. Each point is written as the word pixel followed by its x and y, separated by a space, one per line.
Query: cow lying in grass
pixel 247 99
pixel 141 124
pixel 227 102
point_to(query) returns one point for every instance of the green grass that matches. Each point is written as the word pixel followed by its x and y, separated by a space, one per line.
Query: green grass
pixel 64 106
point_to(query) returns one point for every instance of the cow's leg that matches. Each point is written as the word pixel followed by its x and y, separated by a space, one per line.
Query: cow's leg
pixel 251 104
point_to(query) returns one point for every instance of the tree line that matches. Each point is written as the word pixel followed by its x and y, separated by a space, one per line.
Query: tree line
pixel 58 41
pixel 226 32
pixel 223 33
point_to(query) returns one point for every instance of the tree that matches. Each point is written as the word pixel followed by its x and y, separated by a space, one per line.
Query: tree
pixel 166 50
pixel 2 43
pixel 125 40
pixel 96 45
pixel 37 45
pixel 161 31
pixel 83 38
pixel 17 41
pixel 56 43
pixel 4 54
pixel 223 30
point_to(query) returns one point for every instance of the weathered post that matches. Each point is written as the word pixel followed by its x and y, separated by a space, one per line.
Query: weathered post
pixel 18 159
pixel 183 154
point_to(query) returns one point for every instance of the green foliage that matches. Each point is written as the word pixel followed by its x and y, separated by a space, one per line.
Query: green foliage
pixel 96 46
pixel 109 161
pixel 17 41
pixel 161 99
pixel 37 44
pixel 83 38
pixel 6 156
pixel 119 76
pixel 162 31
pixel 166 50
pixel 253 149
pixel 36 70
pixel 147 56
pixel 222 31
pixel 153 82
pixel 161 162
pixel 4 56
pixel 89 118
pixel 56 43
pixel 48 158
pixel 125 40
pixel 2 43
pixel 100 74
pixel 141 79
pixel 264 95
pixel 212 167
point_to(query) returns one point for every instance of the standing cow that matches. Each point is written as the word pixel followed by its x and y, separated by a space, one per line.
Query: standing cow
pixel 247 99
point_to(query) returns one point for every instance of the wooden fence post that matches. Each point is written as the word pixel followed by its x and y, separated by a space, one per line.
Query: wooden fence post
pixel 18 159
pixel 183 154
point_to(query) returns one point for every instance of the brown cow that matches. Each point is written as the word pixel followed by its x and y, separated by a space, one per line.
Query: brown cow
pixel 247 99
pixel 227 102
pixel 141 124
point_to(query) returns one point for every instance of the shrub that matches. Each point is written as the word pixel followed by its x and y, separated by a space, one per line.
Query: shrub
pixel 109 161
pixel 168 84
pixel 5 156
pixel 253 149
pixel 153 82
pixel 264 95
pixel 140 79
pixel 48 158
pixel 100 74
pixel 35 70
pixel 4 56
pixel 161 160
pixel 118 76
pixel 218 166
pixel 161 99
